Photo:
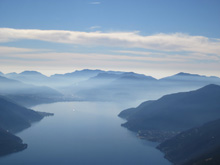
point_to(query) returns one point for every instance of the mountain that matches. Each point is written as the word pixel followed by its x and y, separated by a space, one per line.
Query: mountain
pixel 29 77
pixel 80 74
pixel 113 86
pixel 27 94
pixel 131 111
pixel 14 117
pixel 67 79
pixel 200 145
pixel 129 85
pixel 10 143
pixel 107 76
pixel 190 79
pixel 135 76
pixel 176 112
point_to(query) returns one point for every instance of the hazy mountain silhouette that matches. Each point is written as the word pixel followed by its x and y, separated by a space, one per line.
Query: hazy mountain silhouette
pixel 29 77
pixel 198 146
pixel 187 80
pixel 118 86
pixel 27 94
pixel 185 77
pixel 67 79
pixel 176 112
pixel 111 85
pixel 114 85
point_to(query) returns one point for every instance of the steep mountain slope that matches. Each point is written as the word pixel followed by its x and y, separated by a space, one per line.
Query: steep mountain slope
pixel 199 145
pixel 177 112
pixel 14 117
pixel 131 111
pixel 10 143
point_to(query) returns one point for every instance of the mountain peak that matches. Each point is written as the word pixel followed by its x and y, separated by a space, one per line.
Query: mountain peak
pixel 186 74
pixel 30 73
pixel 89 70
pixel 11 74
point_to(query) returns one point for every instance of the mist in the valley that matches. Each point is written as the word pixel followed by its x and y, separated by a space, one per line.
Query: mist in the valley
pixel 98 85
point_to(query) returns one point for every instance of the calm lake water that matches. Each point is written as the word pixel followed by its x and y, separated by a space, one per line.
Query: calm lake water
pixel 83 133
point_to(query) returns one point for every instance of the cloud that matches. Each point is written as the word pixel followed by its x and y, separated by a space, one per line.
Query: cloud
pixel 165 56
pixel 95 3
pixel 133 52
pixel 94 27
pixel 122 57
pixel 11 50
pixel 176 42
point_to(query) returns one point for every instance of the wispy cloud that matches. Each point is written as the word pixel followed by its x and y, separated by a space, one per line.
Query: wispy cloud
pixel 142 53
pixel 176 42
pixel 166 56
pixel 11 50
pixel 97 58
pixel 94 27
pixel 95 3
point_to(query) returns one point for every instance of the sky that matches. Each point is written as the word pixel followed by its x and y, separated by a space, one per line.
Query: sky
pixel 154 37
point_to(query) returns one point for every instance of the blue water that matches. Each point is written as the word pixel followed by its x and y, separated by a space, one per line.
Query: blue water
pixel 83 133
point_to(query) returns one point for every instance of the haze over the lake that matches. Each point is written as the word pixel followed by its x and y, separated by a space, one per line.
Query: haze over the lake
pixel 157 38
pixel 109 82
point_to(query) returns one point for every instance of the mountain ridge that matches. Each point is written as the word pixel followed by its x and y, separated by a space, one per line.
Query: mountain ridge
pixel 199 145
pixel 180 108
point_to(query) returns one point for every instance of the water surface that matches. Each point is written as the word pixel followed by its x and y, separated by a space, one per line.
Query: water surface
pixel 82 133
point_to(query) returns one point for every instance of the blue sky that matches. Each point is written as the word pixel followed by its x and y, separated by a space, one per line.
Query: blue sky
pixel 154 37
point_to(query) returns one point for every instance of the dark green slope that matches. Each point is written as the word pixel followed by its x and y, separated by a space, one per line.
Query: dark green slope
pixel 198 146
pixel 177 112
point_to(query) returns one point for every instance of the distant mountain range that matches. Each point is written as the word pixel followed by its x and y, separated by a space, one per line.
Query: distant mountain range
pixel 113 85
pixel 187 79
pixel 129 86
pixel 27 94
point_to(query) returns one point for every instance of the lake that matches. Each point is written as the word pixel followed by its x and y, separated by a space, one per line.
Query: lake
pixel 83 133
